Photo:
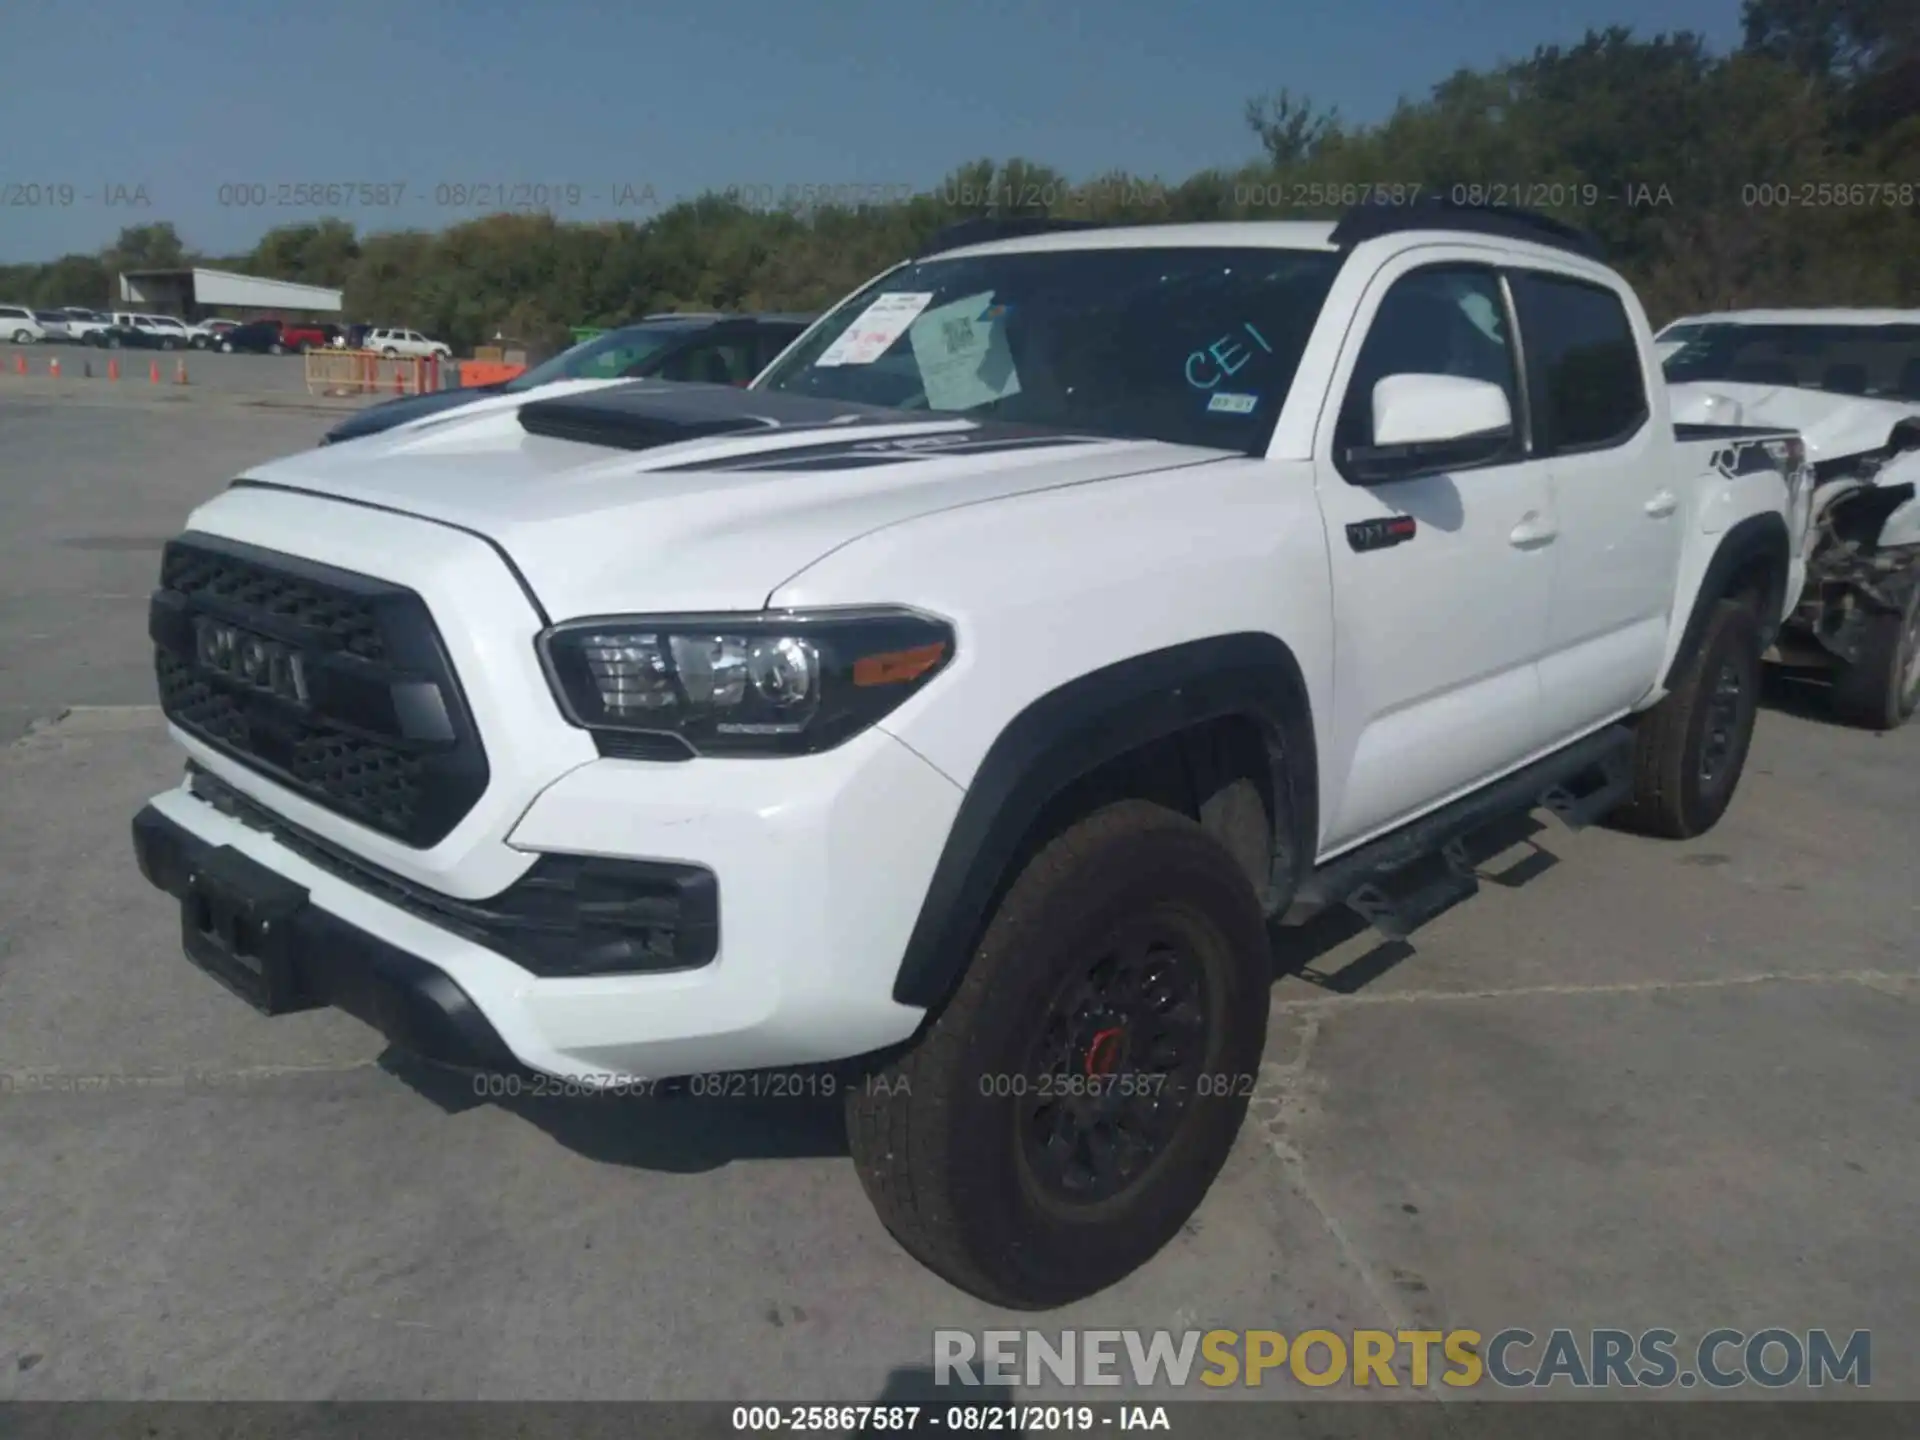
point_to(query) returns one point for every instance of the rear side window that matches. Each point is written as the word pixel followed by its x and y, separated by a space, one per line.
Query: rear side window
pixel 1583 365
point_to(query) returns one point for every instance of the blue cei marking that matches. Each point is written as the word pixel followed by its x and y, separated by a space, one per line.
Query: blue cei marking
pixel 1226 356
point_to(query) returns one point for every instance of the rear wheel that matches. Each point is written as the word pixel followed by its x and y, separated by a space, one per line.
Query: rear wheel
pixel 1881 690
pixel 276 348
pixel 1691 748
pixel 1067 1112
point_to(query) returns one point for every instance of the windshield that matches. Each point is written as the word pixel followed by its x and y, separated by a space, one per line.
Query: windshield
pixel 1874 360
pixel 605 357
pixel 1195 346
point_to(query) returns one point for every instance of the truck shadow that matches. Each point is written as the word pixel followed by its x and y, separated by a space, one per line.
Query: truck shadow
pixel 1805 694
pixel 1299 950
pixel 704 1123
pixel 698 1126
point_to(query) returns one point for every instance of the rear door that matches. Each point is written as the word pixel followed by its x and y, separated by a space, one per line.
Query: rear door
pixel 1437 637
pixel 1615 493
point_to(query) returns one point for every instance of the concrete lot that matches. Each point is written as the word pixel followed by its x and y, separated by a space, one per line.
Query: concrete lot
pixel 1630 1084
pixel 254 374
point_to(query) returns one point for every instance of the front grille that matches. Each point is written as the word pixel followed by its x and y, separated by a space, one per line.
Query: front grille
pixel 381 733
pixel 371 782
pixel 346 621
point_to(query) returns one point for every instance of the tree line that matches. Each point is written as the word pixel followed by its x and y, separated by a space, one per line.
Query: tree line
pixel 1784 173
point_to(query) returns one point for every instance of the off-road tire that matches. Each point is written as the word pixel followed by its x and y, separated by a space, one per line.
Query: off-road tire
pixel 935 1133
pixel 1881 690
pixel 1672 797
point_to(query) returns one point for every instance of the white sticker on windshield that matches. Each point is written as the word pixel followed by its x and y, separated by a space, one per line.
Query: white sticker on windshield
pixel 962 352
pixel 1233 404
pixel 873 334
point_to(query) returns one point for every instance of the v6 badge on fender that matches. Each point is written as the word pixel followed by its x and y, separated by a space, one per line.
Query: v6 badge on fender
pixel 1379 534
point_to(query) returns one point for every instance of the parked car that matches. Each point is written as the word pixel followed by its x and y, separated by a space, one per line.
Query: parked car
pixel 948 711
pixel 54 322
pixel 1672 336
pixel 167 327
pixel 305 335
pixel 19 324
pixel 406 342
pixel 728 350
pixel 141 332
pixel 1849 382
pixel 207 333
pixel 84 325
pixel 353 337
pixel 257 337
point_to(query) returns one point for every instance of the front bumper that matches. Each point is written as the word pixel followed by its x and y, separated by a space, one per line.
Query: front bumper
pixel 822 862
pixel 320 959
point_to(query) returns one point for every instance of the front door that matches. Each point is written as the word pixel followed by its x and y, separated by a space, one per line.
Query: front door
pixel 1438 634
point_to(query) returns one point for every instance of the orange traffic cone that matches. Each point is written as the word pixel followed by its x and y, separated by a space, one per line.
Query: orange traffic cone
pixel 20 364
pixel 179 372
pixel 153 372
pixel 53 367
pixel 113 369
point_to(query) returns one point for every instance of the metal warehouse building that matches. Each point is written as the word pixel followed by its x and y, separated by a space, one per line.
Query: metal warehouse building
pixel 192 293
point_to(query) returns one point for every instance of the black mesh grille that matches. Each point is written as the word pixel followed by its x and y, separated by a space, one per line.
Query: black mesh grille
pixel 346 621
pixel 370 782
pixel 346 743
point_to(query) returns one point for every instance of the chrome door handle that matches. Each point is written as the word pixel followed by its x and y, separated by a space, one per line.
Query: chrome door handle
pixel 1663 505
pixel 1532 532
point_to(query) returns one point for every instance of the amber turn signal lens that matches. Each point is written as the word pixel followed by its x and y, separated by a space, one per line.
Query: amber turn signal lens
pixel 896 667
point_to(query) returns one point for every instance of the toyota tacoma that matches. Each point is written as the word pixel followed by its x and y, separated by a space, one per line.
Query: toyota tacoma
pixel 952 710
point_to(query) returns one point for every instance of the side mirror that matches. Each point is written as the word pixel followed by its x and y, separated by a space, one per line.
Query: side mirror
pixel 1425 424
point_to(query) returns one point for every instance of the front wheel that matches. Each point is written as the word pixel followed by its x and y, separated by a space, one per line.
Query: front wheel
pixel 23 337
pixel 1881 690
pixel 276 348
pixel 1691 748
pixel 1069 1109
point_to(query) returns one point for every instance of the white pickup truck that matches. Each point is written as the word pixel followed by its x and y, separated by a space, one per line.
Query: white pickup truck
pixel 940 721
pixel 1848 383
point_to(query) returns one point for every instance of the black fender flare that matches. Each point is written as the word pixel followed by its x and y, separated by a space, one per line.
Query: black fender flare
pixel 1758 537
pixel 1071 731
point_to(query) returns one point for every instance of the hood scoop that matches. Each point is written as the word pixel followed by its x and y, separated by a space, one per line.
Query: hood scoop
pixel 649 414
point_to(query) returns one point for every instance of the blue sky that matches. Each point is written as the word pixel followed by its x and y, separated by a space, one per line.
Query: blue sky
pixel 120 99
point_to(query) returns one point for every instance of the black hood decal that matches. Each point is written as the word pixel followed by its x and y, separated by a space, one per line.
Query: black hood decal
pixel 646 415
pixel 650 413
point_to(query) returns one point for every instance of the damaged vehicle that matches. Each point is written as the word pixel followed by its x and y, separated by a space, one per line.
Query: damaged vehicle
pixel 1849 382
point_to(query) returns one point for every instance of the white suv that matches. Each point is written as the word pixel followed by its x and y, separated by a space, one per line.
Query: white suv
pixel 406 342
pixel 938 722
pixel 19 324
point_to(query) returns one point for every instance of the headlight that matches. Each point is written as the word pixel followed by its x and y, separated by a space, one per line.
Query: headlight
pixel 780 683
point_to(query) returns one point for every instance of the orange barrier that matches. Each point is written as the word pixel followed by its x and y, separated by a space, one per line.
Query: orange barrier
pixel 365 372
pixel 481 372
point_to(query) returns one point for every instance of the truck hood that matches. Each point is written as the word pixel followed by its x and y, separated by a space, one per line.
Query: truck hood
pixel 1833 426
pixel 649 495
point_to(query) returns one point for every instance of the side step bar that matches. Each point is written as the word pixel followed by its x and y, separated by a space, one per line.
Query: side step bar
pixel 1393 883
